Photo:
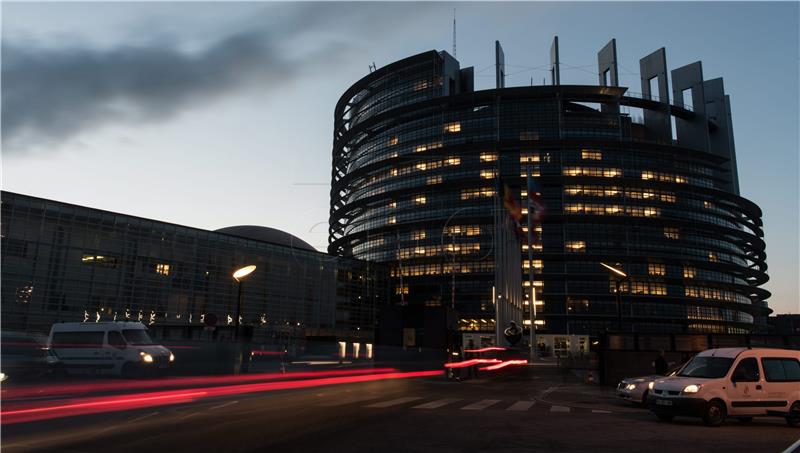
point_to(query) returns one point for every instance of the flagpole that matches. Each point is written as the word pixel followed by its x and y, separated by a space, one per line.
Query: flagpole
pixel 532 308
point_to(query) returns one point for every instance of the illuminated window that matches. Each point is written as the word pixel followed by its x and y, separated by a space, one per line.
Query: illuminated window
pixel 537 264
pixel 712 257
pixel 420 199
pixel 401 289
pixel 688 272
pixel 100 260
pixel 647 175
pixel 421 85
pixel 392 140
pixel 421 166
pixel 417 235
pixel 162 269
pixel 393 172
pixel 671 233
pixel 652 212
pixel 708 204
pixel 591 154
pixel 419 251
pixel 657 269
pixel 611 172
pixel 452 127
pixel 575 246
pixel 434 180
pixel 473 230
pixel 453 160
pixel 393 204
pixel 528 157
pixel 392 220
pixel 488 157
pixel 488 174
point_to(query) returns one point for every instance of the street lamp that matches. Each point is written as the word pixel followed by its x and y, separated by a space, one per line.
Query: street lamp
pixel 240 275
pixel 619 277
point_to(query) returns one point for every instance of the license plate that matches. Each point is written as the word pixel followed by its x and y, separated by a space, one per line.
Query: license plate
pixel 663 403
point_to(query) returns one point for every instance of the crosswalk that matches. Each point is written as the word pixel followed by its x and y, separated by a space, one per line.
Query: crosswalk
pixel 419 403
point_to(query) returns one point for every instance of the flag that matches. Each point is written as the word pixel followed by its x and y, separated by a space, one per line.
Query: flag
pixel 511 204
pixel 537 209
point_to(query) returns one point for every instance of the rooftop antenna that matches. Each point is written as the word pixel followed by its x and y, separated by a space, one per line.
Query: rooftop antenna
pixel 454 33
pixel 372 67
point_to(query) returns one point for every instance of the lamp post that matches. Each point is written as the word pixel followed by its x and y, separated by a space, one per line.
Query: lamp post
pixel 240 275
pixel 619 277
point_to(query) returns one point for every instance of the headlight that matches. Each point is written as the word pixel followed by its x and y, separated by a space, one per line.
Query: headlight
pixel 691 388
pixel 3 377
pixel 146 358
pixel 651 384
pixel 171 357
pixel 630 387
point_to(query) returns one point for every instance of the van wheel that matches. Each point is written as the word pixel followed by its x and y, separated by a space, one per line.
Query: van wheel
pixel 745 419
pixel 130 371
pixel 665 417
pixel 714 414
pixel 794 414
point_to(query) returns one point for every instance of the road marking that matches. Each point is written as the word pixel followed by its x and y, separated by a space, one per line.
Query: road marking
pixel 559 409
pixel 395 402
pixel 480 405
pixel 223 405
pixel 347 401
pixel 521 406
pixel 437 404
pixel 599 411
pixel 793 448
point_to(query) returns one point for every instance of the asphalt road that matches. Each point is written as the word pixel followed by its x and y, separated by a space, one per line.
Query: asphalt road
pixel 414 415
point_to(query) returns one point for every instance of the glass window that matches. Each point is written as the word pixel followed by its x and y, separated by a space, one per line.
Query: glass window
pixel 781 370
pixel 707 367
pixel 137 336
pixel 78 340
pixel 115 339
pixel 746 371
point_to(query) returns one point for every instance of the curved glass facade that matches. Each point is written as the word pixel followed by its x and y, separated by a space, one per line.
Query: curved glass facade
pixel 419 159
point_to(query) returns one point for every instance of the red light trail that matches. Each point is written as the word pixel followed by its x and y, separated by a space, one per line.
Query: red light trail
pixel 22 413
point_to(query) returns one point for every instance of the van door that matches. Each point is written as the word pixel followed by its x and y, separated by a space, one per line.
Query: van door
pixel 782 377
pixel 117 346
pixel 746 391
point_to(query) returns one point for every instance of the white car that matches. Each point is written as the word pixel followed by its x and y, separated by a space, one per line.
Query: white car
pixel 736 382
pixel 115 348
pixel 636 390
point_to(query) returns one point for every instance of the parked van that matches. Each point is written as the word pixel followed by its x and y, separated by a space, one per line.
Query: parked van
pixel 732 382
pixel 114 348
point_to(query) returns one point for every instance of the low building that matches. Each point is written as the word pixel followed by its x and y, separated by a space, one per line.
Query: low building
pixel 63 262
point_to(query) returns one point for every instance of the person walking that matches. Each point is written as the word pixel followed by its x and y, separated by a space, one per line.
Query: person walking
pixel 660 364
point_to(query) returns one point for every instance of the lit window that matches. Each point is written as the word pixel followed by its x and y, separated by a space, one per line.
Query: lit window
pixel 575 246
pixel 688 272
pixel 420 148
pixel 647 175
pixel 453 161
pixel 417 235
pixel 392 219
pixel 452 127
pixel 611 172
pixel 392 140
pixel 591 154
pixel 524 158
pixel 680 179
pixel 652 212
pixel 488 174
pixel 420 199
pixel 401 289
pixel 393 204
pixel 421 166
pixel 488 157
pixel 419 251
pixel 656 269
pixel 671 233
pixel 162 269
pixel 434 180
pixel 393 172
pixel 421 85
pixel 708 204
pixel 712 257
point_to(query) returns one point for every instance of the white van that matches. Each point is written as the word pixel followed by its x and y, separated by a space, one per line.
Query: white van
pixel 115 348
pixel 736 382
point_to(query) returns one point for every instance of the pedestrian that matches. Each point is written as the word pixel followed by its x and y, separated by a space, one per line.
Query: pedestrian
pixel 660 364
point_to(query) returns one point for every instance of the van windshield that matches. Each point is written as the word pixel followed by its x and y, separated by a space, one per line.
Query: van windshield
pixel 707 367
pixel 137 337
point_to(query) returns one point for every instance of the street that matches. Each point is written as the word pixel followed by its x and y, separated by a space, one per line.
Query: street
pixel 404 415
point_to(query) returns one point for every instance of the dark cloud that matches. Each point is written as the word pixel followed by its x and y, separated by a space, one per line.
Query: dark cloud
pixel 51 94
